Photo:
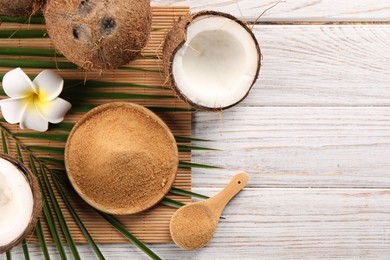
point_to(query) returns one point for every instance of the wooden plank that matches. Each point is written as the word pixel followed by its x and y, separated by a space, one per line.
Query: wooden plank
pixel 286 224
pixel 296 147
pixel 297 10
pixel 328 65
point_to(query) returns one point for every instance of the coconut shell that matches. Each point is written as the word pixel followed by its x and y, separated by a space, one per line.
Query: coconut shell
pixel 176 38
pixel 99 35
pixel 37 203
pixel 20 8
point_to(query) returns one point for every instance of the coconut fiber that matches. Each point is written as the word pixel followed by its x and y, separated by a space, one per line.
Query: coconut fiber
pixel 20 8
pixel 97 34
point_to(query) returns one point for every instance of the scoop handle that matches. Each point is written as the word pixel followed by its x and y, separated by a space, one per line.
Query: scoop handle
pixel 219 201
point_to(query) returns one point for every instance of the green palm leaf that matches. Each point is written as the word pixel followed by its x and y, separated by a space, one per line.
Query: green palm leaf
pixel 187 193
pixel 12 51
pixel 116 224
pixel 31 20
pixel 77 219
pixel 171 203
pixel 41 240
pixel 22 34
pixel 47 212
pixel 52 179
pixel 5 150
pixel 24 242
pixel 59 214
pixel 196 165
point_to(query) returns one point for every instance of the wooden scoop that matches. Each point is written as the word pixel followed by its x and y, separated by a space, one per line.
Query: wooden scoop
pixel 193 225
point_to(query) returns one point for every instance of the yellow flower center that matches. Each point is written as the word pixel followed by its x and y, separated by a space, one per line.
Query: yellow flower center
pixel 36 99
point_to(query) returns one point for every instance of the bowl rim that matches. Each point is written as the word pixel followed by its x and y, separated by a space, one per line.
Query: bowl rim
pixel 147 113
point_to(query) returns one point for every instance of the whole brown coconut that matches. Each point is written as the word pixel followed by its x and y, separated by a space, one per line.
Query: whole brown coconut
pixel 98 35
pixel 20 8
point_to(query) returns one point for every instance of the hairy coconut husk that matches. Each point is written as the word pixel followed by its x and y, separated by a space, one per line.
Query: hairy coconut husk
pixel 176 38
pixel 37 203
pixel 98 35
pixel 20 8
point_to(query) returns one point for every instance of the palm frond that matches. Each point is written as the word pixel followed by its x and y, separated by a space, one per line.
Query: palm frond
pixel 49 160
pixel 50 218
pixel 68 83
pixel 23 34
pixel 60 216
pixel 171 203
pixel 116 224
pixel 31 20
pixel 84 95
pixel 182 139
pixel 196 165
pixel 47 212
pixel 182 192
pixel 31 34
pixel 47 136
pixel 41 240
pixel 75 216
pixel 5 151
pixel 25 250
pixel 47 64
pixel 195 148
pixel 48 149
pixel 4 142
pixel 14 51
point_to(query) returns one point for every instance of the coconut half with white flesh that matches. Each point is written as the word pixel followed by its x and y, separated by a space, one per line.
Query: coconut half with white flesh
pixel 211 59
pixel 20 203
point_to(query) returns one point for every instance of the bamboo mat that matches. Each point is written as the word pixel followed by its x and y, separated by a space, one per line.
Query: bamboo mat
pixel 151 226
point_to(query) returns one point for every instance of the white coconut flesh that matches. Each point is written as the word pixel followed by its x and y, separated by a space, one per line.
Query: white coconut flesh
pixel 217 65
pixel 16 202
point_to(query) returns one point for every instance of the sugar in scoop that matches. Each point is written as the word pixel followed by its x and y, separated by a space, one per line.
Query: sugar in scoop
pixel 193 225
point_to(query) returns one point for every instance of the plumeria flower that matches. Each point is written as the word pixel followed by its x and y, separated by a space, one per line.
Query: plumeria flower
pixel 33 104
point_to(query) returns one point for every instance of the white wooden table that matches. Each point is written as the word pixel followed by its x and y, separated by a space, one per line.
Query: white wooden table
pixel 314 136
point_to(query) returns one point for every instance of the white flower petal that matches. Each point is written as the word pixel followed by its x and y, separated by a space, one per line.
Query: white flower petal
pixel 13 109
pixel 17 84
pixel 32 119
pixel 49 85
pixel 54 111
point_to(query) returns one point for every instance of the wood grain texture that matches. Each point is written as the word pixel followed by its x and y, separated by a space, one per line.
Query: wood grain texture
pixel 292 10
pixel 297 147
pixel 313 135
pixel 286 224
pixel 327 65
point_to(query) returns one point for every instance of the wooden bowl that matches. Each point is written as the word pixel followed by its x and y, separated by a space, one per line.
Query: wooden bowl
pixel 121 158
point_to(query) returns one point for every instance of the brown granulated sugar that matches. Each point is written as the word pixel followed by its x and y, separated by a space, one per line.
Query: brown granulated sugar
pixel 121 158
pixel 193 227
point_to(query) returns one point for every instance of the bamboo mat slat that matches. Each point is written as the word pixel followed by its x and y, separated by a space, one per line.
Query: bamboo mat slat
pixel 151 226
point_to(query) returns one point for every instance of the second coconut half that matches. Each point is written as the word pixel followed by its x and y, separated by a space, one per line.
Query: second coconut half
pixel 211 60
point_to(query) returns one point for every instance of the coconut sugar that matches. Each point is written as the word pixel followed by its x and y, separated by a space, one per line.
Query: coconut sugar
pixel 121 158
pixel 193 227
